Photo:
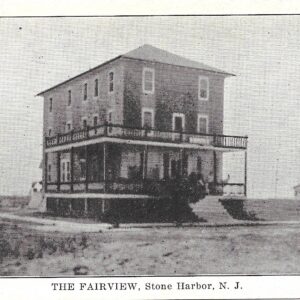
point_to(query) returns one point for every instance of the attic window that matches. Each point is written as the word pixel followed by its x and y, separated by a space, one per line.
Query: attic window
pixel 203 88
pixel 148 81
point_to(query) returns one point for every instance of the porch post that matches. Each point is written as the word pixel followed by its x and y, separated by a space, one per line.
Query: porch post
pixel 245 175
pixel 46 171
pixel 215 168
pixel 86 168
pixel 181 153
pixel 145 167
pixel 71 168
pixel 104 165
pixel 58 170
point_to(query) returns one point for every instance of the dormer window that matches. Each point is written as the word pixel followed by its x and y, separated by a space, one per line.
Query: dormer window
pixel 203 93
pixel 50 104
pixel 148 81
pixel 85 91
pixel 111 76
pixel 69 98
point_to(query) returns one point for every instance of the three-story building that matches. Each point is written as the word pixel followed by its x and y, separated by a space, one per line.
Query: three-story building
pixel 120 130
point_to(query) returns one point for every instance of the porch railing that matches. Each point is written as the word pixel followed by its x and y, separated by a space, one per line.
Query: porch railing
pixel 120 131
pixel 129 186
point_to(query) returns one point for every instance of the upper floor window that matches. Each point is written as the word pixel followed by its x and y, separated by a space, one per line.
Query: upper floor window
pixel 49 131
pixel 111 76
pixel 50 104
pixel 202 124
pixel 178 122
pixel 69 97
pixel 147 118
pixel 148 80
pixel 110 120
pixel 203 92
pixel 69 126
pixel 84 122
pixel 96 91
pixel 85 91
pixel 95 121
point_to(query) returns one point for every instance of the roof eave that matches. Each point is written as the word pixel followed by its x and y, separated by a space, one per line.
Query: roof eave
pixel 212 71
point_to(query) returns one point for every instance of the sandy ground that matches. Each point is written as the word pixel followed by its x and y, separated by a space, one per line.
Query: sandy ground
pixel 151 251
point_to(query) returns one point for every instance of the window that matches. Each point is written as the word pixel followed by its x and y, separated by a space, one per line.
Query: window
pixel 49 131
pixel 111 81
pixel 82 166
pixel 85 91
pixel 49 173
pixel 202 124
pixel 148 81
pixel 69 98
pixel 84 123
pixel 110 120
pixel 68 126
pixel 203 88
pixel 147 118
pixel 178 122
pixel 95 121
pixel 96 88
pixel 50 104
pixel 65 175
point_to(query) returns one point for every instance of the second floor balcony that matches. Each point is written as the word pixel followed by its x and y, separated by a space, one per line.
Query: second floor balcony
pixel 147 134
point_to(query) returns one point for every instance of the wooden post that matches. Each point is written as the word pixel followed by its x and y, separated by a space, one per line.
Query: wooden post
pixel 104 165
pixel 245 175
pixel 215 168
pixel 46 171
pixel 181 162
pixel 86 168
pixel 58 170
pixel 72 168
pixel 145 167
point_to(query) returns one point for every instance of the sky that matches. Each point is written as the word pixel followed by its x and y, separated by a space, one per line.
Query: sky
pixel 261 101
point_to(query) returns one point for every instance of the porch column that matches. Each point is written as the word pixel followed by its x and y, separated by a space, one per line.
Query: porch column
pixel 58 170
pixel 145 167
pixel 245 174
pixel 181 154
pixel 72 168
pixel 86 168
pixel 85 206
pixel 215 168
pixel 104 165
pixel 46 172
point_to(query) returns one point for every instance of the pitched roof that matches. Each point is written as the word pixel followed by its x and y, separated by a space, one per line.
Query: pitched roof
pixel 150 53
pixel 153 54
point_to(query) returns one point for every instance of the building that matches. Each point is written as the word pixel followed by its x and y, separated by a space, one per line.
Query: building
pixel 120 130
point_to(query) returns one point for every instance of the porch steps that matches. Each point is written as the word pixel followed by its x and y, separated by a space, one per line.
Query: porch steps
pixel 274 209
pixel 212 210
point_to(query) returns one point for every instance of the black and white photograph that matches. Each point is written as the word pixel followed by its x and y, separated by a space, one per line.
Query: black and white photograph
pixel 150 145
